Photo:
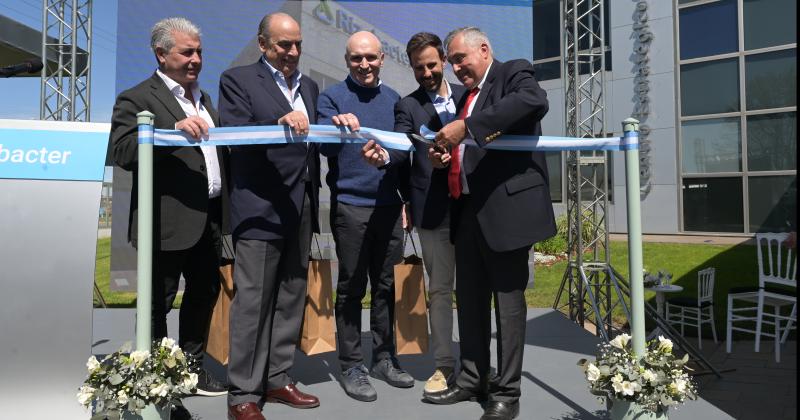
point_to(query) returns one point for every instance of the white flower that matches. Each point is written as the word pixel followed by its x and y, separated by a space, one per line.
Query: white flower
pixel 139 356
pixel 190 381
pixel 167 342
pixel 85 395
pixel 629 388
pixel 122 397
pixel 678 385
pixel 92 364
pixel 160 390
pixel 621 341
pixel 664 344
pixel 649 376
pixel 592 373
pixel 177 353
pixel 169 362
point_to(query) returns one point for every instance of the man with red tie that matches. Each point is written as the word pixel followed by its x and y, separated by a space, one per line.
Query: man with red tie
pixel 500 208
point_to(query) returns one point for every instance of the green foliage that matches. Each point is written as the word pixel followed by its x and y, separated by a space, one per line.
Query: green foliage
pixel 557 244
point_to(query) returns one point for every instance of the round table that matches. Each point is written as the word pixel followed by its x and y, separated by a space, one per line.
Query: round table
pixel 661 303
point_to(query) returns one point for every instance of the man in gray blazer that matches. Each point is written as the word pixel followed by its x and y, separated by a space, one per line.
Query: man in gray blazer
pixel 189 187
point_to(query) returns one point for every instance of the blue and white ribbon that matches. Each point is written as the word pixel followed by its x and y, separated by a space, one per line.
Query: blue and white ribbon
pixel 279 134
pixel 510 142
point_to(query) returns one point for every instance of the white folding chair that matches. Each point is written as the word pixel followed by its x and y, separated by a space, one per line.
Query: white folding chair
pixel 694 312
pixel 777 288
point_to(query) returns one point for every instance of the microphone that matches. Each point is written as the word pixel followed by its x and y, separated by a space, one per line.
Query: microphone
pixel 27 66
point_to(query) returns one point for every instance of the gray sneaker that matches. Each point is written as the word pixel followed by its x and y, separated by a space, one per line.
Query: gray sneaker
pixel 388 370
pixel 356 384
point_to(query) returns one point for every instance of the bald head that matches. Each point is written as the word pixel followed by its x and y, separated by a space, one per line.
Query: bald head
pixel 280 40
pixel 364 58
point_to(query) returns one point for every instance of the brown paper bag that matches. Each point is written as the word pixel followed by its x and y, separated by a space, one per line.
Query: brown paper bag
pixel 318 334
pixel 217 341
pixel 410 309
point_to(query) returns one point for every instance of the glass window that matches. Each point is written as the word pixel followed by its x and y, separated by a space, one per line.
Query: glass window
pixel 710 87
pixel 554 171
pixel 771 79
pixel 708 29
pixel 546 29
pixel 772 142
pixel 711 145
pixel 768 23
pixel 548 70
pixel 713 205
pixel 773 203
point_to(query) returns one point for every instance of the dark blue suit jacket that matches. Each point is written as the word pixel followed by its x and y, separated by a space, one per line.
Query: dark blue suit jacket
pixel 509 188
pixel 429 194
pixel 268 182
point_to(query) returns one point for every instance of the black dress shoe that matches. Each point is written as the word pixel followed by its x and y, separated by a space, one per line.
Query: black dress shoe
pixel 179 412
pixel 452 395
pixel 499 410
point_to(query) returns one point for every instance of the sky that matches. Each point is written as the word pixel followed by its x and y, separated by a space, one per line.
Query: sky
pixel 25 91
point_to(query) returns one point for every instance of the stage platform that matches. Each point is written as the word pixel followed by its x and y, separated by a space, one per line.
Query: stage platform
pixel 553 386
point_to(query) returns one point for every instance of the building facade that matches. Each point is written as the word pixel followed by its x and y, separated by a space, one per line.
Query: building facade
pixel 714 82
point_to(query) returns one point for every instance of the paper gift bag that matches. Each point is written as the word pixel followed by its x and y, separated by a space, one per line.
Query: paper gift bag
pixel 318 334
pixel 410 309
pixel 217 341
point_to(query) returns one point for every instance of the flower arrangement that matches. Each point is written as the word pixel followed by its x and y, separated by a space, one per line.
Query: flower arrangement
pixel 656 382
pixel 128 381
pixel 661 278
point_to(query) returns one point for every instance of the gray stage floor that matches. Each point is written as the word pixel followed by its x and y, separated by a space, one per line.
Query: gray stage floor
pixel 553 386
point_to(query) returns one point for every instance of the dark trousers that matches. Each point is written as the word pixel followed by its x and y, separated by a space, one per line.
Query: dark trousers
pixel 266 313
pixel 369 243
pixel 200 268
pixel 481 275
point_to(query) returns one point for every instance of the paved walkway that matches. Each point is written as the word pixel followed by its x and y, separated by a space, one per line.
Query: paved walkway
pixel 688 239
pixel 753 385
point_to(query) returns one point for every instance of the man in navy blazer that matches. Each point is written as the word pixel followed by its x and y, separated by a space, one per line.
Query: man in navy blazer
pixel 501 207
pixel 274 202
pixel 433 104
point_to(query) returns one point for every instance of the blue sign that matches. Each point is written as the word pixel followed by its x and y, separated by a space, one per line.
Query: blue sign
pixel 49 154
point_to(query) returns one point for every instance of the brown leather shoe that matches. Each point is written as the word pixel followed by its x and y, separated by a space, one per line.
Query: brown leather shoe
pixel 292 397
pixel 245 411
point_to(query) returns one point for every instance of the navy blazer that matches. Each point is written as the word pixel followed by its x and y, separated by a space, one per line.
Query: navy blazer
pixel 268 181
pixel 180 180
pixel 429 194
pixel 509 189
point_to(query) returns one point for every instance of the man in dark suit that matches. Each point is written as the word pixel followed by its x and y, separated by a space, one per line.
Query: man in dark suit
pixel 274 202
pixel 501 207
pixel 433 104
pixel 188 184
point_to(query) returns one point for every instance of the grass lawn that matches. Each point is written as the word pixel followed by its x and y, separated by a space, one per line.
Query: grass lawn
pixel 735 266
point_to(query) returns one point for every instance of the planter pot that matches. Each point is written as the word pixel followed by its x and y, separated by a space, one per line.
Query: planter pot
pixel 150 412
pixel 629 410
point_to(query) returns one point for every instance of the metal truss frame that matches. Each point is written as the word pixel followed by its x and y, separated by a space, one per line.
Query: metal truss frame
pixel 589 289
pixel 67 42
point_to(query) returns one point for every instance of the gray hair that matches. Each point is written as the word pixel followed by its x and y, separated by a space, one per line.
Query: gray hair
pixel 473 37
pixel 161 36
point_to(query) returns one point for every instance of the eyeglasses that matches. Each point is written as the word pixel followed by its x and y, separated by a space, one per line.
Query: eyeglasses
pixel 356 58
pixel 287 45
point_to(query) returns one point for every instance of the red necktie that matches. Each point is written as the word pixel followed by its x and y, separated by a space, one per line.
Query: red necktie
pixel 454 174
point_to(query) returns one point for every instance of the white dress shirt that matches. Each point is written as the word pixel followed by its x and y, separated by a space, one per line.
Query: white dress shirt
pixel 197 109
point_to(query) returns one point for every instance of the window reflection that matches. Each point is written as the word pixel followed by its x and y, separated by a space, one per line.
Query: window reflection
pixel 711 146
pixel 772 142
